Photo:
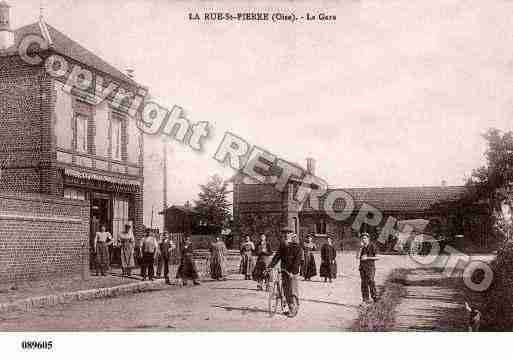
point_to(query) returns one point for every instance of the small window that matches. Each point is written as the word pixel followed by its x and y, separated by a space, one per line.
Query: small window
pixel 320 226
pixel 81 128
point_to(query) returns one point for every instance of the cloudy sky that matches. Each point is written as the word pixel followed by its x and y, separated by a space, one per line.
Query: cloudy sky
pixel 392 93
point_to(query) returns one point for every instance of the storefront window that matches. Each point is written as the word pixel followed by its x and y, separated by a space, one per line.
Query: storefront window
pixel 320 227
pixel 73 193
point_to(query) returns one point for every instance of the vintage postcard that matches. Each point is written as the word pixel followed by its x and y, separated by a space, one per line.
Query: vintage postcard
pixel 255 166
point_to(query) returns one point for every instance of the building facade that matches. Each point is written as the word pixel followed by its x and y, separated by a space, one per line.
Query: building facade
pixel 259 207
pixel 59 141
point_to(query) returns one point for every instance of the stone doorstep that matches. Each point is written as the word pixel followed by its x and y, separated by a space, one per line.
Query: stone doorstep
pixel 82 295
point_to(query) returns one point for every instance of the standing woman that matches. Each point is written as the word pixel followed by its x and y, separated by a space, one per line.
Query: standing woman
pixel 187 269
pixel 309 269
pixel 127 241
pixel 101 243
pixel 328 268
pixel 218 254
pixel 246 263
pixel 263 252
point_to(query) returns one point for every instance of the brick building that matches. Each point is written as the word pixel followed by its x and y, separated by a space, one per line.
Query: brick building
pixel 60 142
pixel 260 207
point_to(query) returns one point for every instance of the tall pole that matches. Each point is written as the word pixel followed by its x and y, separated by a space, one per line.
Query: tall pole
pixel 164 202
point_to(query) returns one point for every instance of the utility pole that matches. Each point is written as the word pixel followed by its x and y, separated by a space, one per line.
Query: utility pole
pixel 165 175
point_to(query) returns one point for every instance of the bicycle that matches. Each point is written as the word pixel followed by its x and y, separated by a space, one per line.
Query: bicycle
pixel 277 297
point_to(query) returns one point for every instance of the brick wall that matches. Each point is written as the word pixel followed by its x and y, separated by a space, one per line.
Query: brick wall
pixel 27 158
pixel 42 236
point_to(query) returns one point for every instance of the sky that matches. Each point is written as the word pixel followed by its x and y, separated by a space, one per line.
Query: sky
pixel 392 93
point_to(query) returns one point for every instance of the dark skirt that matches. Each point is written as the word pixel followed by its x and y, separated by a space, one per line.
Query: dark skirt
pixel 187 269
pixel 247 264
pixel 309 269
pixel 328 270
pixel 260 267
pixel 102 255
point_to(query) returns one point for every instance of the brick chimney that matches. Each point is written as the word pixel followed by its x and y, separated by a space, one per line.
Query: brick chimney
pixel 310 165
pixel 6 34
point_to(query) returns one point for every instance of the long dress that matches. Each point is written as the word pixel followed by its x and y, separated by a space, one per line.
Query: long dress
pixel 218 260
pixel 263 253
pixel 187 268
pixel 127 250
pixel 328 262
pixel 102 240
pixel 247 264
pixel 309 268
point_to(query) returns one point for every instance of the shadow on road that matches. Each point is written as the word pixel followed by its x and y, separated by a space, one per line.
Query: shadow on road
pixel 330 303
pixel 245 310
pixel 232 288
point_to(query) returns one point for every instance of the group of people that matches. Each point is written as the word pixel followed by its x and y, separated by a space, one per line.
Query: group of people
pixel 146 253
pixel 296 260
pixel 254 269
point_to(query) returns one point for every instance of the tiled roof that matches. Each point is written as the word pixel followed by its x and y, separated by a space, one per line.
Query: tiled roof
pixel 63 45
pixel 184 209
pixel 400 199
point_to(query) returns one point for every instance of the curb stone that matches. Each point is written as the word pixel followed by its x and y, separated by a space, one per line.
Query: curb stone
pixel 78 296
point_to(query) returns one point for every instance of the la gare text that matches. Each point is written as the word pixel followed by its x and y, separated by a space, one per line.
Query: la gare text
pixel 259 16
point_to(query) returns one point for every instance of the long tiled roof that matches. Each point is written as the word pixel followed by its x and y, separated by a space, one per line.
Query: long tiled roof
pixel 400 199
pixel 63 45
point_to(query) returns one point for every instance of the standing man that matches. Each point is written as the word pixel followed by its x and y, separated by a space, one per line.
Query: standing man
pixel 290 255
pixel 149 253
pixel 328 269
pixel 367 258
pixel 166 246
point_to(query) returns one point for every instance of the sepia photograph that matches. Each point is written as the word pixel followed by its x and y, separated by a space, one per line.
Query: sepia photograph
pixel 255 166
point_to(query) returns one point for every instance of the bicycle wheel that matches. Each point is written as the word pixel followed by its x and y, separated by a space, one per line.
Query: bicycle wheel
pixel 274 299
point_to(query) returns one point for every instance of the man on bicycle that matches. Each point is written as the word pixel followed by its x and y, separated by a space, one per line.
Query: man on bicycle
pixel 290 255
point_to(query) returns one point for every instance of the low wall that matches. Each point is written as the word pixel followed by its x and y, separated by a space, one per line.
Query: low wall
pixel 42 236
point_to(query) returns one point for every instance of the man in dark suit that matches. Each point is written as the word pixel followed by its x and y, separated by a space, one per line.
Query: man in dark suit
pixel 166 246
pixel 290 255
pixel 367 257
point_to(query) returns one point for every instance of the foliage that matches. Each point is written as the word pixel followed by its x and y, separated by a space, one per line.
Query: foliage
pixel 494 181
pixel 213 205
pixel 380 316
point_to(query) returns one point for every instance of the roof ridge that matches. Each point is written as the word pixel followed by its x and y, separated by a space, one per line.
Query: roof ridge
pixel 74 50
pixel 395 187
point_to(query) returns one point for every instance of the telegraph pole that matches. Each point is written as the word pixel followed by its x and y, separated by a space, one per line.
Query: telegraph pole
pixel 164 202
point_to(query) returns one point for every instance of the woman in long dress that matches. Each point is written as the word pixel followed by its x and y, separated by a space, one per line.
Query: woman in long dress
pixel 102 240
pixel 308 268
pixel 328 268
pixel 187 269
pixel 127 241
pixel 263 252
pixel 247 264
pixel 218 254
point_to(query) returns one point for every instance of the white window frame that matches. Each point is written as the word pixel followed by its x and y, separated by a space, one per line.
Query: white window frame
pixel 116 137
pixel 81 123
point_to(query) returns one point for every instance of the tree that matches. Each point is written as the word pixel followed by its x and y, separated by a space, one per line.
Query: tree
pixel 213 206
pixel 494 181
